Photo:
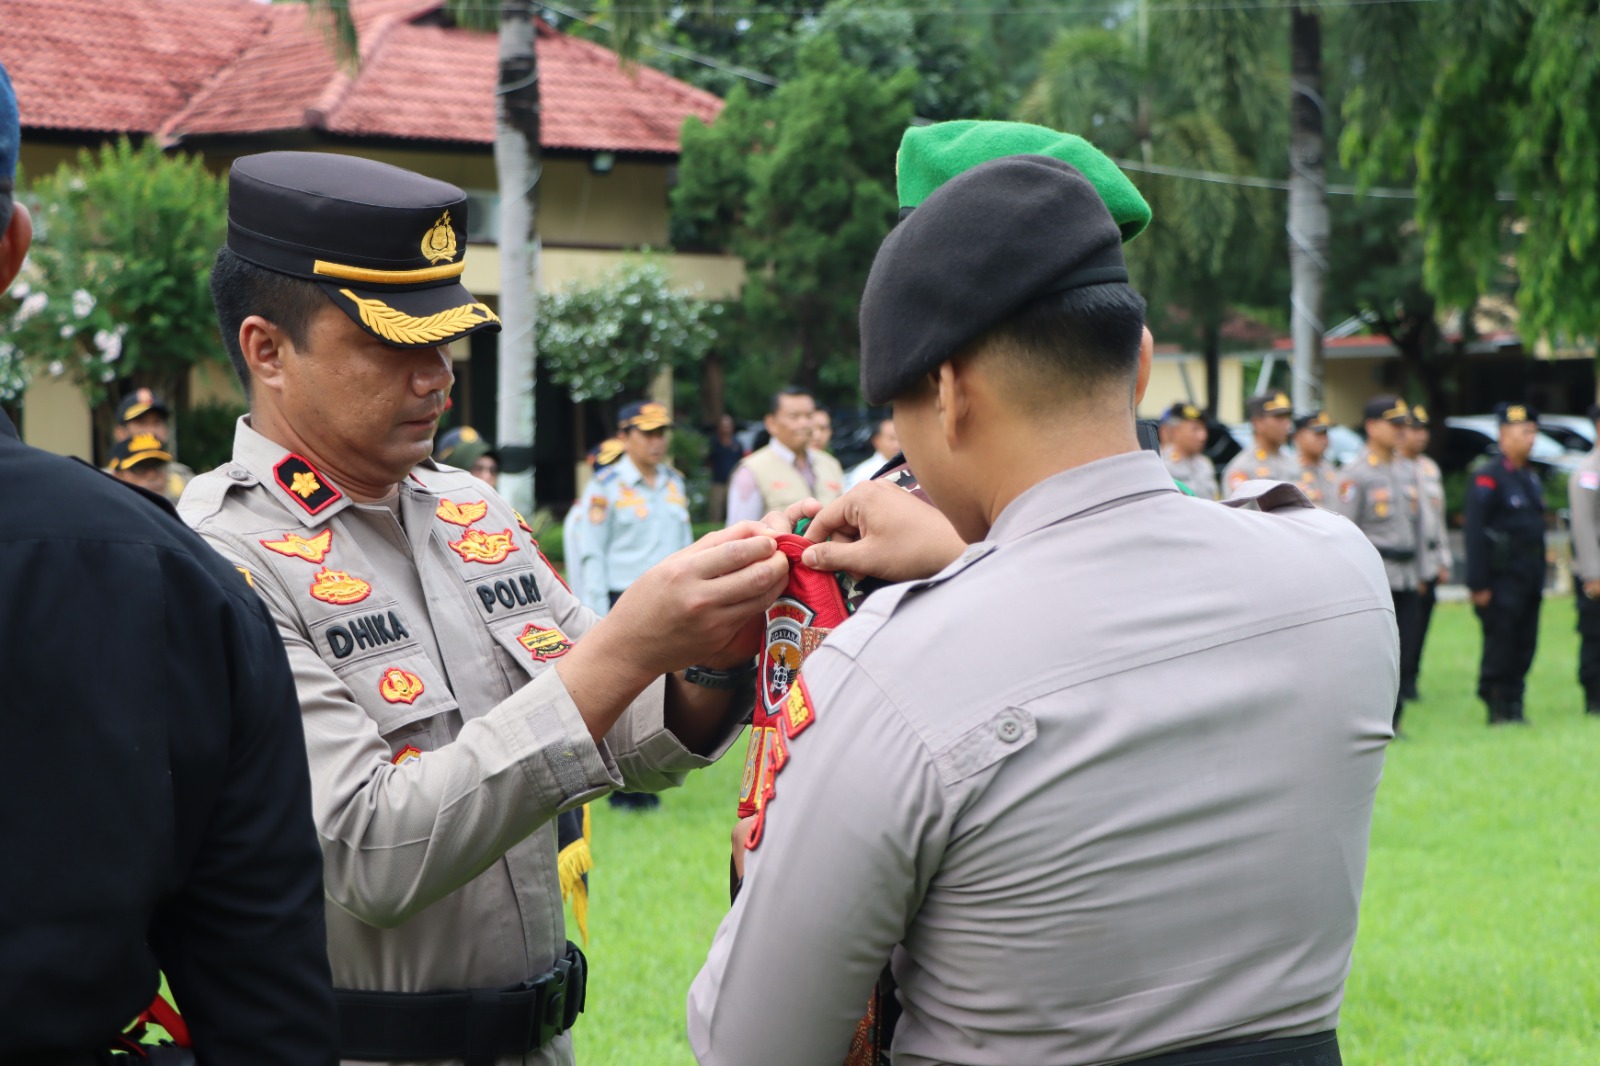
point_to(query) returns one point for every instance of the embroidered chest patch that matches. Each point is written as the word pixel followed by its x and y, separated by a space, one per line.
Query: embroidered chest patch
pixel 544 643
pixel 462 514
pixel 338 587
pixel 295 546
pixel 400 686
pixel 476 546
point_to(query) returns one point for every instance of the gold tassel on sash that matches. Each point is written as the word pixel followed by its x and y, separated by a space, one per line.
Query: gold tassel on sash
pixel 574 863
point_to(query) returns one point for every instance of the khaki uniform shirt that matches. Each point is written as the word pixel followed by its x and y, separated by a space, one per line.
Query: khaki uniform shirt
pixel 422 634
pixel 1197 471
pixel 1434 533
pixel 1320 482
pixel 1583 497
pixel 778 482
pixel 1125 814
pixel 1383 500
pixel 1258 464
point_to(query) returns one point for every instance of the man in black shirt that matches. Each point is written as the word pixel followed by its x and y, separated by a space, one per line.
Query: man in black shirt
pixel 159 810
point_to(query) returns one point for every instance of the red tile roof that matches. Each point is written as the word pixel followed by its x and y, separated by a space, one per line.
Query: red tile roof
pixel 193 68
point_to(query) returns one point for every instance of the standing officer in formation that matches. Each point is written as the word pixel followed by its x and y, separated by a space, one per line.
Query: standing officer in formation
pixel 638 509
pixel 144 413
pixel 160 816
pixel 1185 451
pixel 465 449
pixel 455 695
pixel 1317 477
pixel 1434 559
pixel 1505 562
pixel 143 461
pixel 1265 459
pixel 1378 492
pixel 999 820
pixel 790 468
pixel 1583 497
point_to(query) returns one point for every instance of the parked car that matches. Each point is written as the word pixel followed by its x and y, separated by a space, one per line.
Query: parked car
pixel 1573 432
pixel 1468 437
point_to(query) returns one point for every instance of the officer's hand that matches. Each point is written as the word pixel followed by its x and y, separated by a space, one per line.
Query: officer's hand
pixel 784 521
pixel 1481 597
pixel 703 605
pixel 1591 589
pixel 880 530
pixel 741 836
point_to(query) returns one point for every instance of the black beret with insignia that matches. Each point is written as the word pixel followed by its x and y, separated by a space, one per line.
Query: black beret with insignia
pixel 979 250
pixel 387 245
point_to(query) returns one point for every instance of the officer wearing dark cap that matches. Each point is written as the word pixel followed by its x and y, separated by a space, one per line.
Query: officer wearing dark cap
pixel 1316 477
pixel 464 448
pixel 1378 492
pixel 1185 451
pixel 456 696
pixel 1583 498
pixel 141 460
pixel 160 808
pixel 141 412
pixel 1434 558
pixel 999 819
pixel 1265 459
pixel 1505 561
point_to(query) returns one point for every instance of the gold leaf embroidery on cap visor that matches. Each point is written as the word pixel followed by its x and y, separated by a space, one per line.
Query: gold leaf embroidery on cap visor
pixel 400 328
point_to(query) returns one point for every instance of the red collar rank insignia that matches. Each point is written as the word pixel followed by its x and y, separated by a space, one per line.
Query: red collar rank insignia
pixel 304 484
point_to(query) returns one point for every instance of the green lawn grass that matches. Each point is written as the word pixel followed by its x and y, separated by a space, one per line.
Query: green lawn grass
pixel 1480 926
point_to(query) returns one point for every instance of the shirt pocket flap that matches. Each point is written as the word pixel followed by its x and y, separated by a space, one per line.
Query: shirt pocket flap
pixel 985 744
pixel 397 693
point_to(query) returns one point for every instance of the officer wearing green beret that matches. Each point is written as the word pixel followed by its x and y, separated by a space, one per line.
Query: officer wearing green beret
pixel 1185 452
pixel 456 696
pixel 1064 861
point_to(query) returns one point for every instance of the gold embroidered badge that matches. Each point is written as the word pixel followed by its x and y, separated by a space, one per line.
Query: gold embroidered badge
pixel 338 587
pixel 544 643
pixel 397 327
pixel 462 514
pixel 305 483
pixel 439 243
pixel 400 686
pixel 297 547
pixel 476 546
pixel 145 442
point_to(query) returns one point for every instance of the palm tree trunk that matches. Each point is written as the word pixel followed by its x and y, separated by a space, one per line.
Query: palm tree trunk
pixel 517 165
pixel 1308 204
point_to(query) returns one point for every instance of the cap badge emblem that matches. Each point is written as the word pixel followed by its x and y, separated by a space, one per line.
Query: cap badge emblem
pixel 439 243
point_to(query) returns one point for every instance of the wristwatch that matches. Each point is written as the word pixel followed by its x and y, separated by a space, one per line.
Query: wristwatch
pixel 706 677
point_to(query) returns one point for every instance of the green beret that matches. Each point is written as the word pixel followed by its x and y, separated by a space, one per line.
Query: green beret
pixel 932 155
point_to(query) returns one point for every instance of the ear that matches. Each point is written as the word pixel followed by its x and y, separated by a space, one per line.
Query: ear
pixel 14 243
pixel 953 400
pixel 1147 351
pixel 264 347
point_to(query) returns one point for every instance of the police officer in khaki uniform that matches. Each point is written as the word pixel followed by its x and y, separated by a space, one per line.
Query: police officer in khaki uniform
pixel 1434 558
pixel 1184 452
pixel 143 412
pixel 1265 459
pixel 1583 497
pixel 1317 477
pixel 455 695
pixel 991 829
pixel 1378 492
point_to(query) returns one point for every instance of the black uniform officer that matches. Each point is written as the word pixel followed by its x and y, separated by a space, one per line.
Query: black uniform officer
pixel 159 812
pixel 1505 561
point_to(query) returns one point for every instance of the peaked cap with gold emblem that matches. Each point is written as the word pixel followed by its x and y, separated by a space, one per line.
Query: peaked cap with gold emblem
pixel 388 246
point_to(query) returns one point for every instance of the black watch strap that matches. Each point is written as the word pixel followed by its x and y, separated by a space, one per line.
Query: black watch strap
pixel 727 680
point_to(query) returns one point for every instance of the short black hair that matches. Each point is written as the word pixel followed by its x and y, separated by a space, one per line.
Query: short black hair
pixel 1088 336
pixel 240 289
pixel 777 398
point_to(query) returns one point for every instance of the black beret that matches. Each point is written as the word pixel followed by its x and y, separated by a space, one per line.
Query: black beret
pixel 980 249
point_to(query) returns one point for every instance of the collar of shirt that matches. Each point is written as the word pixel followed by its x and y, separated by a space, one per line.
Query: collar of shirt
pixel 630 474
pixel 1081 489
pixel 263 458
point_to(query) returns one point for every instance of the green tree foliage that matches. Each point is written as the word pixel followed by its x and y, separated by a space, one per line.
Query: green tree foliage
pixel 800 183
pixel 1486 99
pixel 115 292
pixel 1202 89
pixel 608 337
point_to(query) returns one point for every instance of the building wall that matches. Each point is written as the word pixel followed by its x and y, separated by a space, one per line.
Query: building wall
pixel 55 418
pixel 1182 378
pixel 1347 385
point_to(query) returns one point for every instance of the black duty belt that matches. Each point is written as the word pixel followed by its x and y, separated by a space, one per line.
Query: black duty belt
pixel 1398 555
pixel 479 1025
pixel 1318 1049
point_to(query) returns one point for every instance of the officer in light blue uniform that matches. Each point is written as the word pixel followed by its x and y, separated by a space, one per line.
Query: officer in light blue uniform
pixel 638 509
